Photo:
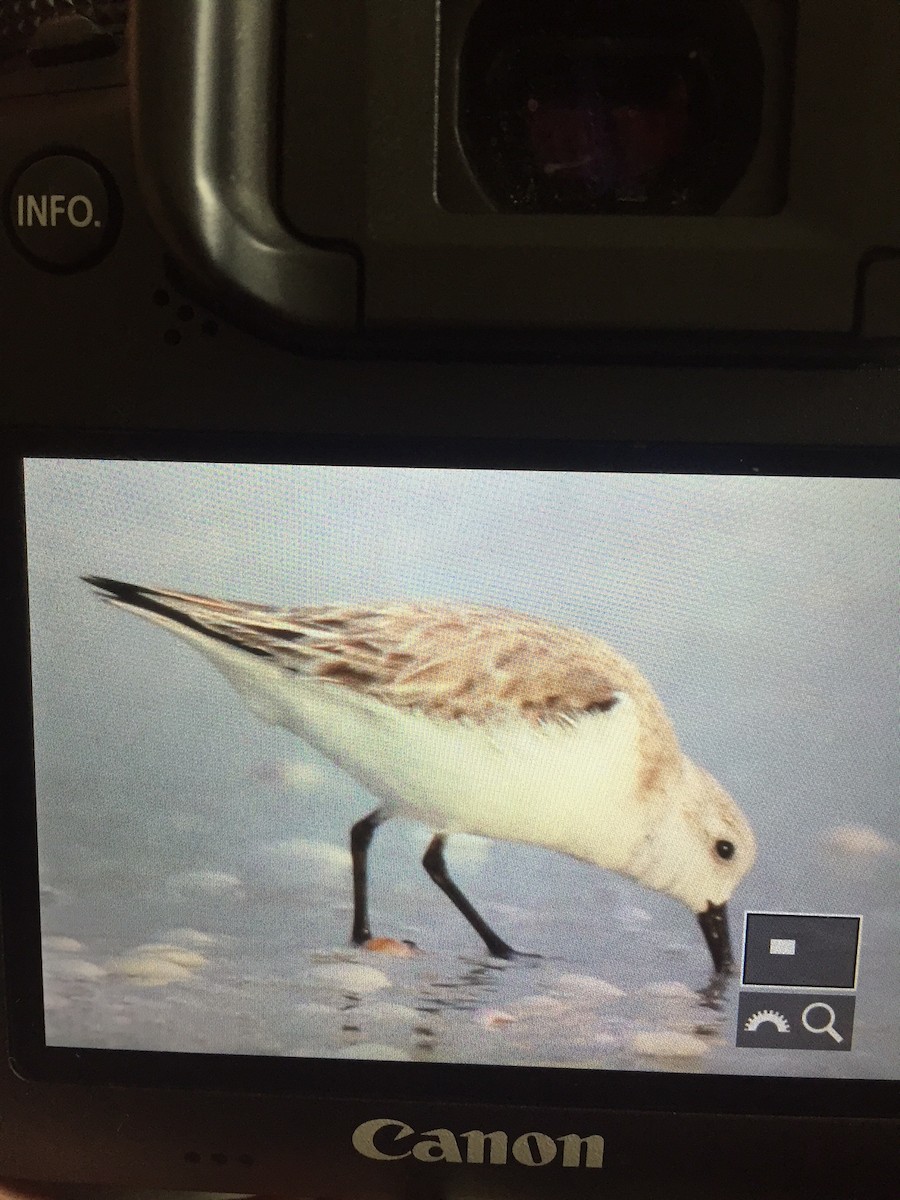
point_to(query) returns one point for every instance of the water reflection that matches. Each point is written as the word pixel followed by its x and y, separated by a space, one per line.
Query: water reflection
pixel 465 991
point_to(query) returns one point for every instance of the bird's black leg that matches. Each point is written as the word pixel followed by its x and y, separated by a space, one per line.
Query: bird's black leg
pixel 360 839
pixel 434 864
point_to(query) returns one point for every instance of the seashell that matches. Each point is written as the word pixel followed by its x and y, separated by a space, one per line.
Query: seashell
pixel 147 971
pixel 63 945
pixel 667 1044
pixel 669 990
pixel 589 987
pixel 493 1018
pixel 206 883
pixel 73 968
pixel 352 977
pixel 173 954
pixel 188 937
pixel 857 841
pixel 376 1050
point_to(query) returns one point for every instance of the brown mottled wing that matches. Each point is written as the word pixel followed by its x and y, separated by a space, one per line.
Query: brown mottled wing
pixel 450 662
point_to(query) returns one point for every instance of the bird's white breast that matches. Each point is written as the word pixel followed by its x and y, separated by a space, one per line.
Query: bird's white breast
pixel 569 787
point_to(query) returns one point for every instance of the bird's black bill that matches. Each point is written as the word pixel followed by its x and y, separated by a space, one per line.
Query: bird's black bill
pixel 714 923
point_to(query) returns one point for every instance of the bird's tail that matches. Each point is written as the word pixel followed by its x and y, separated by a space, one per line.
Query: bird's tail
pixel 254 628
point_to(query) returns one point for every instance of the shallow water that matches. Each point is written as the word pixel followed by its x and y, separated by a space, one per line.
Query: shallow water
pixel 624 991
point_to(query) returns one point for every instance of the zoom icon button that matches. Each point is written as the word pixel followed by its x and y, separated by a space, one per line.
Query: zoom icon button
pixel 795 1021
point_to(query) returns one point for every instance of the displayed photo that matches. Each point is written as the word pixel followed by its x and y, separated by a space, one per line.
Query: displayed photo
pixel 523 768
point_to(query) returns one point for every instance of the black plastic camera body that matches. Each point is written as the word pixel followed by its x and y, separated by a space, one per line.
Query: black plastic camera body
pixel 443 169
pixel 439 232
pixel 685 177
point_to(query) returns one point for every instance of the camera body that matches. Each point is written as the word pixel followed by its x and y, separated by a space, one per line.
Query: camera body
pixel 472 235
pixel 737 202
pixel 771 224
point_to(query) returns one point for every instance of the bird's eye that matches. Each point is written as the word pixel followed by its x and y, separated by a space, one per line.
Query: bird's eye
pixel 725 849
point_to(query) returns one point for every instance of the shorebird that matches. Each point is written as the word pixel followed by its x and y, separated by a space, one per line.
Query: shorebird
pixel 479 720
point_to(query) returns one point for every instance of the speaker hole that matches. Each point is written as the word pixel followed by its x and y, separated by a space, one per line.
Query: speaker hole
pixel 219 1159
pixel 161 297
pixel 192 1156
pixel 185 313
pixel 171 337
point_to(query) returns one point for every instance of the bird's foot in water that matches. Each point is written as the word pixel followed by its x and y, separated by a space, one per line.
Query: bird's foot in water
pixel 713 995
pixel 508 954
pixel 392 947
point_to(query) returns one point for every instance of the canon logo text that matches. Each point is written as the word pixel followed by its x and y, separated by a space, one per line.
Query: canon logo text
pixel 387 1140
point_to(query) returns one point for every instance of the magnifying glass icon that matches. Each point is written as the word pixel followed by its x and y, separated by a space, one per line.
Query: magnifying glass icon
pixel 830 1018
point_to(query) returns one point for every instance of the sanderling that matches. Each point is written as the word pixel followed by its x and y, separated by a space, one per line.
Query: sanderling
pixel 482 721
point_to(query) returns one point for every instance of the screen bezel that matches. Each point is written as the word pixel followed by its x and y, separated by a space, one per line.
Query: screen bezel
pixel 331 1078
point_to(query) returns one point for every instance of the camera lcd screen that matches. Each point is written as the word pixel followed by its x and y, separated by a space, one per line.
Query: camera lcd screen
pixel 521 768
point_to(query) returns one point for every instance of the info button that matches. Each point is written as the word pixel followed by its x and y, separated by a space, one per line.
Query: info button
pixel 801 950
pixel 63 212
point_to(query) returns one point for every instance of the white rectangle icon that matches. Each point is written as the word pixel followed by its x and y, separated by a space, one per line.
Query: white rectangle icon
pixel 782 946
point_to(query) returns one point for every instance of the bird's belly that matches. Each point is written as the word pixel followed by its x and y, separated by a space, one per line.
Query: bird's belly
pixel 570 788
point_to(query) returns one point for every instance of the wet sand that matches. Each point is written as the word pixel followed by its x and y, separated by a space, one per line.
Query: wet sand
pixel 241 991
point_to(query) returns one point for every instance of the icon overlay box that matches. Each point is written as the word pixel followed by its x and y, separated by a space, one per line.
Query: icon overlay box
pixel 805 950
pixel 796 1021
pixel 798 978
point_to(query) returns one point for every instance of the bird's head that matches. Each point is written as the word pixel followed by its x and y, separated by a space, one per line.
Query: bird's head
pixel 702 849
